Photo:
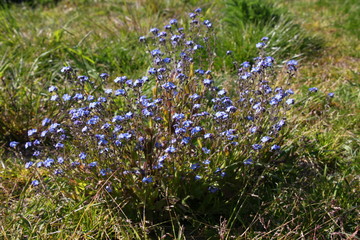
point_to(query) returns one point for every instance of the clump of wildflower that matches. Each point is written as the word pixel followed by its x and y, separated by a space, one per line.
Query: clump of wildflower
pixel 175 124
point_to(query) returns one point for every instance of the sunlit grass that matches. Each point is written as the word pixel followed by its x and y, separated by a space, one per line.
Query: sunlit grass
pixel 315 195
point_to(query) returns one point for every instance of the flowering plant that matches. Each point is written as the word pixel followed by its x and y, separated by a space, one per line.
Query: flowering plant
pixel 173 138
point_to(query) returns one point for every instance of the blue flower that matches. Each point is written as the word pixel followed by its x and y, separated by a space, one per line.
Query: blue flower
pixel 45 122
pixel 196 130
pixel 152 71
pixel 313 89
pixel 54 98
pixel 250 118
pixel 208 136
pixel 142 39
pixel 185 140
pixel 169 86
pixel 138 83
pixel 126 136
pixel 108 91
pixel 222 92
pixel 196 106
pixel 265 39
pixel 156 52
pixel 66 69
pixel 90 98
pixel 120 92
pixel 35 183
pixel 82 156
pixel 221 115
pixel 213 189
pixel 245 65
pixel 200 71
pixel 78 96
pixel 58 172
pixel 162 34
pixel 256 146
pixel 331 95
pixel 266 139
pixel 180 131
pixel 187 123
pixel 48 162
pixel 290 101
pixel 257 106
pixel 102 142
pixel 106 126
pixel 248 161
pixel 260 45
pixel 118 118
pixel 147 113
pixel 275 147
pixel 154 31
pixel 178 116
pixel 206 162
pixel 92 164
pixel 170 149
pixel 129 115
pixel 108 189
pixel 60 160
pixel 208 82
pixel 121 79
pixel 246 75
pixel 194 166
pixel 181 76
pixel 289 92
pixel 192 15
pixel 231 109
pixel 173 21
pixel 43 133
pixel 52 89
pixel 292 63
pixel 13 144
pixel 253 129
pixel 28 144
pixel 31 132
pixel 117 128
pixel 83 78
pixel 197 46
pixel 74 164
pixel 28 164
pixel 195 96
pixel 101 99
pixel 103 172
pixel 104 76
pixel 36 153
pixel 147 180
pixel 59 145
pixel 85 129
pixel 206 150
pixel 93 120
pixel 66 97
pixel 279 125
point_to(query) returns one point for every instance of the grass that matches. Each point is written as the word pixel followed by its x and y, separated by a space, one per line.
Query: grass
pixel 315 194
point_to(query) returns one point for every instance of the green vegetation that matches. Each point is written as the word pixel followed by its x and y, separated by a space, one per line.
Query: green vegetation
pixel 312 193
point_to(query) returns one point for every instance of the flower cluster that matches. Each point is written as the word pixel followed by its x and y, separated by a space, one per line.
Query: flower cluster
pixel 173 123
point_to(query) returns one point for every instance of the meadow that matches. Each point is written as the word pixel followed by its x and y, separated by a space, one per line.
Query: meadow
pixel 253 133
